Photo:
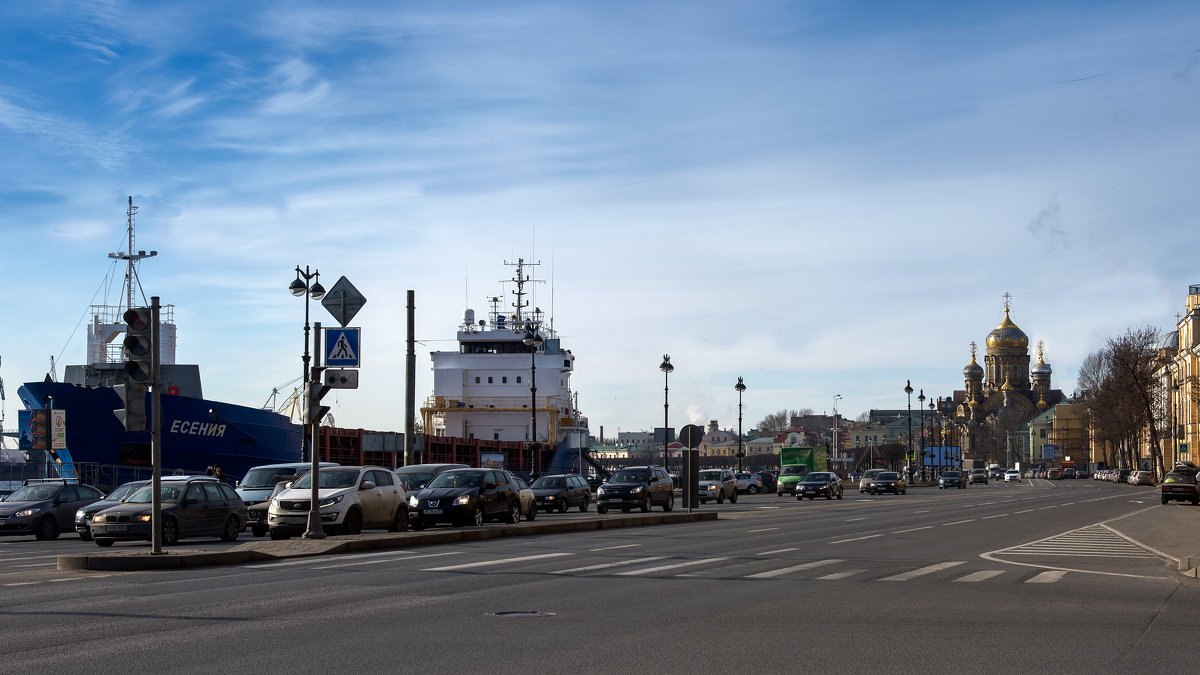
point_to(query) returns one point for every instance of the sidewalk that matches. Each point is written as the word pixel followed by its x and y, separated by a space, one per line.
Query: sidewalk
pixel 262 550
pixel 1171 530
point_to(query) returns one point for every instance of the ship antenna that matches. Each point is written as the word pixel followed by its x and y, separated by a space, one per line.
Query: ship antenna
pixel 130 258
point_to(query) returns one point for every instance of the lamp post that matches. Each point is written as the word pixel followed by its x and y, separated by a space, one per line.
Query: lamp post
pixel 666 368
pixel 740 387
pixel 908 390
pixel 836 453
pixel 921 449
pixel 932 435
pixel 533 340
pixel 314 291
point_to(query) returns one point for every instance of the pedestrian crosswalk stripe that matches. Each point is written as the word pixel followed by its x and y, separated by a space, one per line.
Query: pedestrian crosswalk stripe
pixel 1047 577
pixel 912 574
pixel 661 568
pixel 840 575
pixel 981 575
pixel 602 566
pixel 794 568
pixel 500 561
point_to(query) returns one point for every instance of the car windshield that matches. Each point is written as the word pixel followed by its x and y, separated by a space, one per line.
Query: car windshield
pixel 265 477
pixel 979 471
pixel 887 476
pixel 710 475
pixel 457 479
pixel 168 494
pixel 1178 478
pixel 745 476
pixel 795 470
pixel 637 476
pixel 547 482
pixel 816 478
pixel 330 478
pixel 414 477
pixel 34 493
pixel 950 474
pixel 123 491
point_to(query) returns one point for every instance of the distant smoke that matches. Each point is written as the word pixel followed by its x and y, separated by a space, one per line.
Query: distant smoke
pixel 1047 226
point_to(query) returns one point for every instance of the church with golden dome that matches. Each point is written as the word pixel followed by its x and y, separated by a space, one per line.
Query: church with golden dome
pixel 1003 394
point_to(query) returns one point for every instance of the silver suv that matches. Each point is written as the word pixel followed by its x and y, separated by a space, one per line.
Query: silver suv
pixel 718 484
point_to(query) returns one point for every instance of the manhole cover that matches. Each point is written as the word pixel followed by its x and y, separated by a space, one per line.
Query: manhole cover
pixel 519 615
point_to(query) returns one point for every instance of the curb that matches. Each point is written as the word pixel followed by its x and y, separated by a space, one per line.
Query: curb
pixel 262 551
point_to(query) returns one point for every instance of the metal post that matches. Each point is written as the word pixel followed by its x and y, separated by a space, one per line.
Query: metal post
pixel 666 368
pixel 741 387
pixel 315 531
pixel 909 390
pixel 410 385
pixel 836 453
pixel 155 433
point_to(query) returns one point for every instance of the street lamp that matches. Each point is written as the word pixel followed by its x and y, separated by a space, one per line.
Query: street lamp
pixel 314 291
pixel 740 387
pixel 921 410
pixel 836 453
pixel 666 368
pixel 909 390
pixel 533 340
pixel 932 435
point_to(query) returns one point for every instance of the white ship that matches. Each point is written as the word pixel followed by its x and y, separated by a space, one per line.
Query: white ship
pixel 507 386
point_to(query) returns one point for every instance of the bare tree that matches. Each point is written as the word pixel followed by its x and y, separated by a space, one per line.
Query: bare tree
pixel 778 422
pixel 1134 357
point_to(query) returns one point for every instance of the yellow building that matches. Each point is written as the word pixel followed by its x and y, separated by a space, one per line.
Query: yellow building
pixel 1180 380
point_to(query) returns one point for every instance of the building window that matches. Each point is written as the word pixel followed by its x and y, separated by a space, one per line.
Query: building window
pixel 495 437
pixel 489 380
pixel 504 380
pixel 518 379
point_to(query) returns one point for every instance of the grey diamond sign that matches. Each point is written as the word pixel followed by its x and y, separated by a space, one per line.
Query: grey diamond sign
pixel 343 301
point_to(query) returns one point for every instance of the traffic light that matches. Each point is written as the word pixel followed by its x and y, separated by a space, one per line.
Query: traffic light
pixel 39 429
pixel 313 393
pixel 139 354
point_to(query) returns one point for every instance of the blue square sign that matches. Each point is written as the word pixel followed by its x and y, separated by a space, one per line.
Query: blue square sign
pixel 341 347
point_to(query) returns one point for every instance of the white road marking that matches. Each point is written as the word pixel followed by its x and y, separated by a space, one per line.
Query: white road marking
pixel 387 560
pixel 782 550
pixel 914 529
pixel 650 570
pixel 840 575
pixel 795 568
pixel 1048 577
pixel 982 575
pixel 609 548
pixel 602 566
pixel 843 541
pixel 930 569
pixel 500 561
pixel 1025 511
pixel 851 520
pixel 959 522
pixel 765 529
pixel 998 515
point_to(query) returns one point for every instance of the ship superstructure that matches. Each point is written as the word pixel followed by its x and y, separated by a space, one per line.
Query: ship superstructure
pixel 485 388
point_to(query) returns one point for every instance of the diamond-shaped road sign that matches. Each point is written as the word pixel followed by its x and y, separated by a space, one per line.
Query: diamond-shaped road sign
pixel 343 301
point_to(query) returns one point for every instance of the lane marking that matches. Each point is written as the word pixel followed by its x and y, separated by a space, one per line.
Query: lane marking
pixel 959 522
pixel 998 515
pixel 982 575
pixel 602 566
pixel 660 568
pixel 925 511
pixel 405 558
pixel 840 575
pixel 1025 511
pixel 843 541
pixel 610 548
pixel 851 520
pixel 922 571
pixel 927 527
pixel 765 529
pixel 782 550
pixel 1047 577
pixel 793 568
pixel 501 561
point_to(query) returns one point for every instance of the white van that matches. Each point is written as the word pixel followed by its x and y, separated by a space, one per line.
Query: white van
pixel 258 483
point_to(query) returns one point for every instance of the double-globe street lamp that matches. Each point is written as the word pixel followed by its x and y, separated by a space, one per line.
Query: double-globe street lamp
pixel 314 291
pixel 666 368
pixel 837 455
pixel 909 390
pixel 740 387
pixel 533 340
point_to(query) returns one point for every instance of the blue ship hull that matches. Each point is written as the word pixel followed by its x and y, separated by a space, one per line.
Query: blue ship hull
pixel 196 432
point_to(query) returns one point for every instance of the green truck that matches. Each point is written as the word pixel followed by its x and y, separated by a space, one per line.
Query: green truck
pixel 796 463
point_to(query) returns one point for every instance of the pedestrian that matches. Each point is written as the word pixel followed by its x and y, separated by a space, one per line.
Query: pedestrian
pixel 217 472
pixel 209 470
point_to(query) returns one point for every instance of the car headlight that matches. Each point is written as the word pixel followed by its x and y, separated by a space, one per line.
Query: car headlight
pixel 711 488
pixel 143 518
pixel 599 491
pixel 413 501
pixel 98 518
pixel 463 500
pixel 330 501
pixel 549 498
pixel 636 490
pixel 25 513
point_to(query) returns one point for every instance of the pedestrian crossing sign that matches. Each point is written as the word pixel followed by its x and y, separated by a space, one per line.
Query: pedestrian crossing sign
pixel 341 347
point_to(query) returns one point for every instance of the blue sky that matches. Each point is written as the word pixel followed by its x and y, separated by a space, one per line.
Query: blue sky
pixel 822 197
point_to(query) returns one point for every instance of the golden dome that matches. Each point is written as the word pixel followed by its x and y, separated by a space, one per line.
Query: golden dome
pixel 1007 335
pixel 1006 386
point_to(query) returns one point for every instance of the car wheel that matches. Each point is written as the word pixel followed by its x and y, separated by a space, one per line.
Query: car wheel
pixel 584 506
pixel 104 542
pixel 562 506
pixel 477 516
pixel 170 532
pixel 1164 500
pixel 753 489
pixel 733 497
pixel 46 529
pixel 1196 502
pixel 670 503
pixel 86 536
pixel 644 507
pixel 780 493
pixel 276 535
pixel 258 530
pixel 601 509
pixel 400 521
pixel 533 513
pixel 624 509
pixel 799 498
pixel 720 497
pixel 231 531
pixel 417 524
pixel 514 514
pixel 353 522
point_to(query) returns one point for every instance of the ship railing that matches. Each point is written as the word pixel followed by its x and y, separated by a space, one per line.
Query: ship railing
pixel 499 402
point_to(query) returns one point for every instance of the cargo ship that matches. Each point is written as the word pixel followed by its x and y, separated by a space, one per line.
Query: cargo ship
pixel 196 432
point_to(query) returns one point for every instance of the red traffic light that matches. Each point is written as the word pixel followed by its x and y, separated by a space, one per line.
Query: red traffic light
pixel 137 318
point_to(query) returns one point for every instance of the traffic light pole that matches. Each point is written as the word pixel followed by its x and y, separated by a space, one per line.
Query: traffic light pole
pixel 315 531
pixel 155 433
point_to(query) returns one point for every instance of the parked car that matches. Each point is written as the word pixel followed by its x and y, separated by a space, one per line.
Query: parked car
pixel 1120 476
pixel 258 483
pixel 83 516
pixel 819 484
pixel 529 507
pixel 868 477
pixel 466 497
pixel 748 483
pixel 560 492
pixel 415 477
pixel 1068 472
pixel 1012 476
pixel 1142 478
pixel 640 486
pixel 718 484
pixel 979 476
pixel 769 482
pixel 350 498
pixel 256 515
pixel 1180 487
pixel 888 481
pixel 952 479
pixel 45 508
pixel 192 506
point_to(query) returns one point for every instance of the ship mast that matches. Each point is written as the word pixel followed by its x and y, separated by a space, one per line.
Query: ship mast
pixel 130 258
pixel 521 279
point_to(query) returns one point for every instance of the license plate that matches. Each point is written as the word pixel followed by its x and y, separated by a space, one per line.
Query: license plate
pixel 434 512
pixel 116 528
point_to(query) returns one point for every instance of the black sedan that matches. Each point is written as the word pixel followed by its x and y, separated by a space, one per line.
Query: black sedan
pixel 466 497
pixel 819 484
pixel 1180 487
pixel 952 479
pixel 561 492
pixel 45 508
pixel 889 481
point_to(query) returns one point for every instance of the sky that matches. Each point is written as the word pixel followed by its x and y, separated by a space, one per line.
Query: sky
pixel 826 198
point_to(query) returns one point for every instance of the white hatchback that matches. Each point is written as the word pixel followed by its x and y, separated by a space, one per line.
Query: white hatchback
pixel 1012 476
pixel 349 498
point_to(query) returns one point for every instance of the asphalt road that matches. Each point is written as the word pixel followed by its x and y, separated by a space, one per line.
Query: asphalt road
pixel 997 578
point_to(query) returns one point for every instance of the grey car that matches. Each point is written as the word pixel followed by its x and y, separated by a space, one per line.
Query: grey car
pixel 718 484
pixel 83 516
pixel 45 508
